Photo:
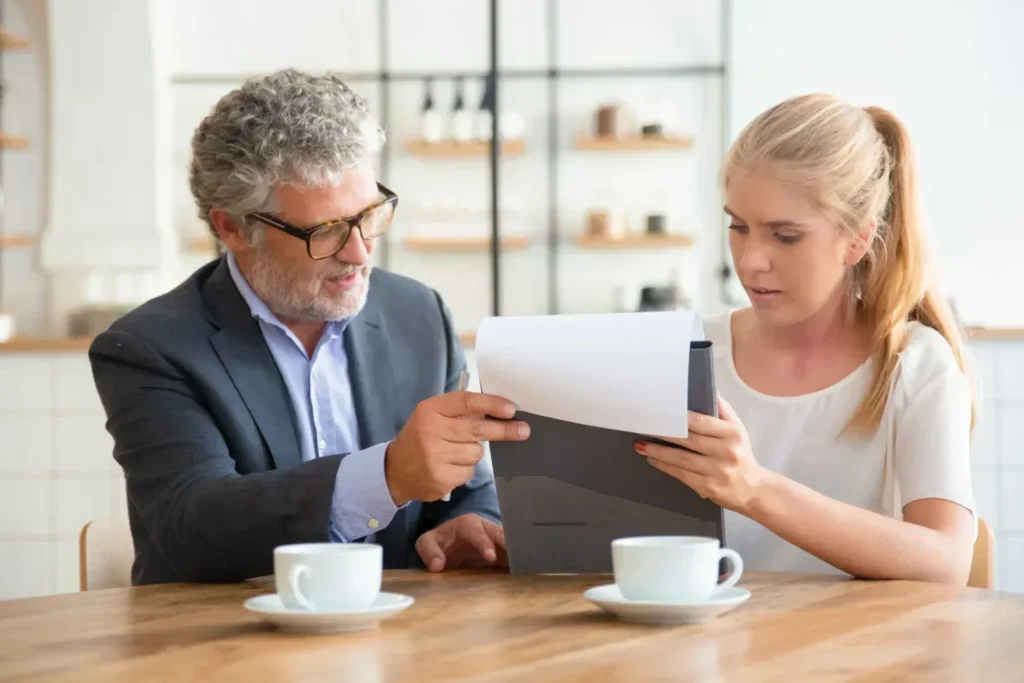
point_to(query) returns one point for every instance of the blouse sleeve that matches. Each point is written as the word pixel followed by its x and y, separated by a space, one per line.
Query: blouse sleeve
pixel 933 435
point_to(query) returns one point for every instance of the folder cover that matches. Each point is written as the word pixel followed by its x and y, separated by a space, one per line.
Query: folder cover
pixel 570 489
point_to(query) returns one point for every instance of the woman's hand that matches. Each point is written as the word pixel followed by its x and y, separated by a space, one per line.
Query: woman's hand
pixel 721 465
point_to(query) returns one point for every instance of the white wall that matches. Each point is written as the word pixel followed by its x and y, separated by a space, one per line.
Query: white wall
pixel 953 71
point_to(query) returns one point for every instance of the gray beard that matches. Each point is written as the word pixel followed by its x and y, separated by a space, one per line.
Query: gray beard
pixel 303 301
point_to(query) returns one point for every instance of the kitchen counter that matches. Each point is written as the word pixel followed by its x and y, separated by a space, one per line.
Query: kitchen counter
pixel 67 344
pixel 45 344
pixel 995 333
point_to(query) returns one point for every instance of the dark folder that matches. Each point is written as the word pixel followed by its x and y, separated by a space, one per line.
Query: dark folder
pixel 570 489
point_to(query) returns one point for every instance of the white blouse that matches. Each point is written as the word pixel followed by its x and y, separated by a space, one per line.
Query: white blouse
pixel 924 436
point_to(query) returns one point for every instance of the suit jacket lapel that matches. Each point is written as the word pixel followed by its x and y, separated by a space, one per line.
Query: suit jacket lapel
pixel 244 353
pixel 373 383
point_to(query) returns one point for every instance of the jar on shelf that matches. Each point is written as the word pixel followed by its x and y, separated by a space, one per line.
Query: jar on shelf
pixel 654 214
pixel 605 216
pixel 610 121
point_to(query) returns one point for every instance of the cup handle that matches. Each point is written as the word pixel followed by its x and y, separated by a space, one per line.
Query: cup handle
pixel 293 582
pixel 735 574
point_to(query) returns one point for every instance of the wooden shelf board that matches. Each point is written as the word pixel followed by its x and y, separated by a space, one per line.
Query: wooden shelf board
pixel 201 244
pixel 634 242
pixel 463 243
pixel 995 333
pixel 452 149
pixel 9 41
pixel 15 241
pixel 13 142
pixel 45 344
pixel 632 143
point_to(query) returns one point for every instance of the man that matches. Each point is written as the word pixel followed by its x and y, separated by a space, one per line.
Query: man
pixel 282 393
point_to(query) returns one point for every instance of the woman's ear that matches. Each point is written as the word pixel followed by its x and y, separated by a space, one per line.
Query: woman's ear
pixel 861 243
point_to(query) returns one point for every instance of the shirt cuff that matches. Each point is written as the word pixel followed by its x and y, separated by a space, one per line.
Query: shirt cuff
pixel 362 504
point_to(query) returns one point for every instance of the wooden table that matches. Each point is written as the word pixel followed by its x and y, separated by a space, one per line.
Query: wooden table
pixel 490 626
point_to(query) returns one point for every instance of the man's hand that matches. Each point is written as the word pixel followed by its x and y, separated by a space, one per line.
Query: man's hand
pixel 466 541
pixel 439 446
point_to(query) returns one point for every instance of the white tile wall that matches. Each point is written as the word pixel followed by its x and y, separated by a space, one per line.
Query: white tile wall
pixel 985 445
pixel 25 569
pixel 56 470
pixel 26 383
pixel 80 500
pixel 987 495
pixel 66 565
pixel 25 446
pixel 74 391
pixel 1012 567
pixel 25 507
pixel 1009 382
pixel 1012 497
pixel 998 455
pixel 118 496
pixel 82 444
pixel 1011 430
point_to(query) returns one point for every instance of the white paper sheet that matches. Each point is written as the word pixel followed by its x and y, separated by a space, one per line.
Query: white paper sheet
pixel 625 371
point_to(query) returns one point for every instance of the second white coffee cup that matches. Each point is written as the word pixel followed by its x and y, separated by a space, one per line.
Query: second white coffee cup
pixel 328 577
pixel 677 569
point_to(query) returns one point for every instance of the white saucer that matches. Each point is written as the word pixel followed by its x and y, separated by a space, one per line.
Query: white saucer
pixel 609 599
pixel 273 610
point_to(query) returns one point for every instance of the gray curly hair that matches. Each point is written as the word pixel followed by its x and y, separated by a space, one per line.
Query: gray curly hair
pixel 284 127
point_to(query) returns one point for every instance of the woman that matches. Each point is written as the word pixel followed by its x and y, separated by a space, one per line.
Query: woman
pixel 844 440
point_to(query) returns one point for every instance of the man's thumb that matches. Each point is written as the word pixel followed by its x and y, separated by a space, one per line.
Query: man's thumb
pixel 430 552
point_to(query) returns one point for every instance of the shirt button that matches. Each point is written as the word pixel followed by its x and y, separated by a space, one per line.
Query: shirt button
pixel 323 444
pixel 373 523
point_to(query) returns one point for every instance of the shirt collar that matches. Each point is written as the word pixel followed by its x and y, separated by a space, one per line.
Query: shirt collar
pixel 261 311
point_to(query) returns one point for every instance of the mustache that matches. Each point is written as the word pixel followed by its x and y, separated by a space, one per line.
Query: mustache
pixel 343 271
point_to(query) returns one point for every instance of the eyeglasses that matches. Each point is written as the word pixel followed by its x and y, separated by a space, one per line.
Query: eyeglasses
pixel 327 239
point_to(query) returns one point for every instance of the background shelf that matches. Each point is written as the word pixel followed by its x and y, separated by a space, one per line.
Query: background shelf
pixel 13 142
pixel 512 242
pixel 473 148
pixel 9 41
pixel 632 143
pixel 639 241
pixel 15 241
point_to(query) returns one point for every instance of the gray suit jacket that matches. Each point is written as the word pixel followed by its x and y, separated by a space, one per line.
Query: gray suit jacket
pixel 207 437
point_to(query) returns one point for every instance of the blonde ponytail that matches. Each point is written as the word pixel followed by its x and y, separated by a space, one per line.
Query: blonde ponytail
pixel 895 284
pixel 858 165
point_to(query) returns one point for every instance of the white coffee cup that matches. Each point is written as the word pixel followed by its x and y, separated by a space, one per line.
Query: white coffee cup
pixel 328 577
pixel 676 569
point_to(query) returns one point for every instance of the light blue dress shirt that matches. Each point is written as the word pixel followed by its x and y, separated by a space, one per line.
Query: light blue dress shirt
pixel 321 394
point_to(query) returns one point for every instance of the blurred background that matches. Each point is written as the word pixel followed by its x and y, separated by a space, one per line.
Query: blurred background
pixel 604 195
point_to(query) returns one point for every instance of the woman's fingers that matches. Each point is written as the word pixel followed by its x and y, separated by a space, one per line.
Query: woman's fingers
pixel 697 482
pixel 698 443
pixel 676 457
pixel 699 423
pixel 725 411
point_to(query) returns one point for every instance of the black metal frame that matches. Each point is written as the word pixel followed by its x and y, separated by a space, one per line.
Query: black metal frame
pixel 552 75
